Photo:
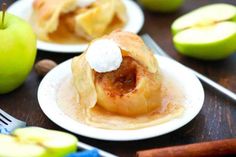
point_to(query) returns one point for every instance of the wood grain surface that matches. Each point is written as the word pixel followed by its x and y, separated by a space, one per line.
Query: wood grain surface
pixel 216 120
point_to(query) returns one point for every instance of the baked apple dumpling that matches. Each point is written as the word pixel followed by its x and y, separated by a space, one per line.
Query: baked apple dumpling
pixel 118 73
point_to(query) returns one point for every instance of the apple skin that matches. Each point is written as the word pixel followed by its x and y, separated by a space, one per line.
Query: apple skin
pixel 17 52
pixel 164 6
pixel 209 51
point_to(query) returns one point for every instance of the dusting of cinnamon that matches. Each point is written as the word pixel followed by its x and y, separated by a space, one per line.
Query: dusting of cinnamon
pixel 121 81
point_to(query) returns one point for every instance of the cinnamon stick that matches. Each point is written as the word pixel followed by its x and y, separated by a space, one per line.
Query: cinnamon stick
pixel 204 149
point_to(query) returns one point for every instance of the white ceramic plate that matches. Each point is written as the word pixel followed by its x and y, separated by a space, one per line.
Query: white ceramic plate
pixel 23 9
pixel 190 85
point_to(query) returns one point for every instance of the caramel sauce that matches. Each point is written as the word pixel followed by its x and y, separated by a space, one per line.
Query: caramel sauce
pixel 171 107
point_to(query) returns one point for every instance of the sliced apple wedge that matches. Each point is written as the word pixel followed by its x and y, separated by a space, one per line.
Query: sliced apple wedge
pixel 11 147
pixel 206 15
pixel 209 42
pixel 56 143
pixel 207 33
pixel 37 142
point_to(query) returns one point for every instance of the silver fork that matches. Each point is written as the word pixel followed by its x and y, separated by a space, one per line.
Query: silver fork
pixel 156 49
pixel 9 124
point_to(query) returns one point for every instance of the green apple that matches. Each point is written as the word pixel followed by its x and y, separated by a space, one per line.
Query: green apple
pixel 17 51
pixel 161 5
pixel 37 142
pixel 57 143
pixel 12 147
pixel 207 33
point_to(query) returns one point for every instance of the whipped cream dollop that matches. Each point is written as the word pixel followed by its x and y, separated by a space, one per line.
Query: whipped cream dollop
pixel 84 3
pixel 104 55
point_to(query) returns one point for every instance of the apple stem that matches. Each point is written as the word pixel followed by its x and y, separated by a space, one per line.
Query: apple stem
pixel 4 8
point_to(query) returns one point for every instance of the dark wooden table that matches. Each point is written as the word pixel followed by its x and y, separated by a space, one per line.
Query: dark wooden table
pixel 216 120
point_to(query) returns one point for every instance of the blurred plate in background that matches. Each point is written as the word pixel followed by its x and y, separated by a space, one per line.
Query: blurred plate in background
pixel 23 9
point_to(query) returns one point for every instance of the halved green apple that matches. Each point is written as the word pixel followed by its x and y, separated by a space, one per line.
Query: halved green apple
pixel 207 33
pixel 12 147
pixel 37 142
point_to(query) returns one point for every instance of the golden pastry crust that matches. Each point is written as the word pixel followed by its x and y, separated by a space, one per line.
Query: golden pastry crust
pixel 132 45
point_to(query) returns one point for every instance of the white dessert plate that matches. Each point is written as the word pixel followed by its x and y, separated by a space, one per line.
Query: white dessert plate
pixel 190 85
pixel 23 9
